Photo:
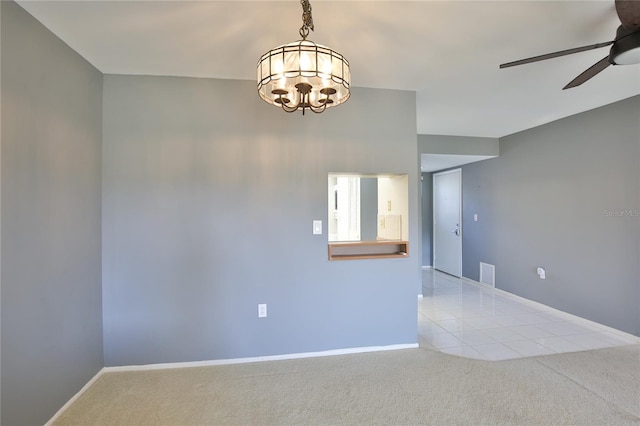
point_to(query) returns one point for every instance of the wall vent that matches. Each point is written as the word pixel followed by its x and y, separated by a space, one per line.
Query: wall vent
pixel 488 274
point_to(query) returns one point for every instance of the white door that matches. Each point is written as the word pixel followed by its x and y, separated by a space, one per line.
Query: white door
pixel 447 222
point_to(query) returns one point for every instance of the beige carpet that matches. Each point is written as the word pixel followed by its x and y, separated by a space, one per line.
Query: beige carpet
pixel 413 386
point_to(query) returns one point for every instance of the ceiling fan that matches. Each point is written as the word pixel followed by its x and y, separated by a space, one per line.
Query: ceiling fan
pixel 625 47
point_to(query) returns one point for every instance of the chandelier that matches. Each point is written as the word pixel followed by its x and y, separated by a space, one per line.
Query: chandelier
pixel 304 75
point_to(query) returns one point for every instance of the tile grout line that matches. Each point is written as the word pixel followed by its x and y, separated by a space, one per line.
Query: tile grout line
pixel 549 321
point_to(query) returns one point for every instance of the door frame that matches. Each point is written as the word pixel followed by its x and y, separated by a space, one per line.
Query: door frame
pixel 433 229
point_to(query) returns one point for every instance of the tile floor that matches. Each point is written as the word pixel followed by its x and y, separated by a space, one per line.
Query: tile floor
pixel 459 317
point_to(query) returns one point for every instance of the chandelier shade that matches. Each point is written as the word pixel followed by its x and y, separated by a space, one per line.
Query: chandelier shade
pixel 303 61
pixel 304 75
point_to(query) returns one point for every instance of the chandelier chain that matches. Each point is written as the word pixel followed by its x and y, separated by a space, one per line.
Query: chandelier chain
pixel 307 19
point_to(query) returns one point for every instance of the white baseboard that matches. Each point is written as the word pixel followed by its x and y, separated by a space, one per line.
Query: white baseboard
pixel 474 282
pixel 427 267
pixel 542 306
pixel 75 397
pixel 333 352
pixel 505 293
pixel 164 366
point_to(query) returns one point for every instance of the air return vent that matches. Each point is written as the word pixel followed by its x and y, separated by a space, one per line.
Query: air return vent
pixel 488 274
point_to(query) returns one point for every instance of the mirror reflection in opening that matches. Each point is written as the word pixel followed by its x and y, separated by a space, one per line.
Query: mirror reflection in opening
pixel 368 207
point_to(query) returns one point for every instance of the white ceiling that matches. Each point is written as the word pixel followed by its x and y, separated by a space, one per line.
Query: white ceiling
pixel 446 51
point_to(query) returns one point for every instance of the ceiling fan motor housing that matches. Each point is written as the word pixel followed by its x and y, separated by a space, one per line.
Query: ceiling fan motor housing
pixel 626 48
pixel 629 13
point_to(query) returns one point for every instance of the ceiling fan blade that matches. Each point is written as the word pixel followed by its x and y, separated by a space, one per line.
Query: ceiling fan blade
pixel 591 72
pixel 556 54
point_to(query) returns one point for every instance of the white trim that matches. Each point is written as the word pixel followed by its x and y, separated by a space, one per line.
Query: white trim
pixel 169 365
pixel 479 284
pixel 427 267
pixel 75 397
pixel 420 296
pixel 542 306
pixel 334 352
pixel 523 300
pixel 520 299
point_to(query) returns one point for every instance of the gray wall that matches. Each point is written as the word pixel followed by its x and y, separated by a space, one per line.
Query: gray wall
pixel 208 199
pixel 51 201
pixel 564 196
pixel 368 209
pixel 445 145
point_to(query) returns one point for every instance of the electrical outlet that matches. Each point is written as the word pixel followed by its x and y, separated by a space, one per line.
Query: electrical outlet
pixel 262 310
pixel 541 273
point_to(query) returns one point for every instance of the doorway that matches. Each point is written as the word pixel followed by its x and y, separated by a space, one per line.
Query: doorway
pixel 447 222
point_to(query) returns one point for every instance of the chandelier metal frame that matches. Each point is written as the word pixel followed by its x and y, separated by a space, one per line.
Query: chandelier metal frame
pixel 304 75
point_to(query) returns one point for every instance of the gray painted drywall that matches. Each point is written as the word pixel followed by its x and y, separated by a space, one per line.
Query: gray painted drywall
pixel 457 145
pixel 368 209
pixel 445 145
pixel 427 218
pixel 208 199
pixel 51 207
pixel 0 215
pixel 564 196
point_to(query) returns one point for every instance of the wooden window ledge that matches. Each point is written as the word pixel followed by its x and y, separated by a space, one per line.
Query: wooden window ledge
pixel 383 249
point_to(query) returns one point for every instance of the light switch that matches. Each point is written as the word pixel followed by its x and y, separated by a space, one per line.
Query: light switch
pixel 475 217
pixel 317 227
pixel 262 310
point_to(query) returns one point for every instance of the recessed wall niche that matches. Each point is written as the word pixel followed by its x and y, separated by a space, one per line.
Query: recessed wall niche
pixel 368 216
